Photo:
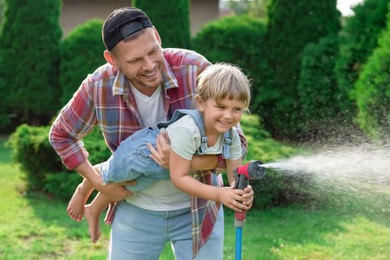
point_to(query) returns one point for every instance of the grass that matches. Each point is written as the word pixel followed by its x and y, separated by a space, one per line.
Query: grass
pixel 35 226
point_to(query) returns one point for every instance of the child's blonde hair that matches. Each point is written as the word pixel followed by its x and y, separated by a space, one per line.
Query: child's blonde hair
pixel 223 80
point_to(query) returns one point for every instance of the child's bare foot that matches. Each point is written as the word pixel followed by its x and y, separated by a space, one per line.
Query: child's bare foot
pixel 93 223
pixel 76 204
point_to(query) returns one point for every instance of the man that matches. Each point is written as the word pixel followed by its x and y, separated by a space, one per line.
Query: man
pixel 140 85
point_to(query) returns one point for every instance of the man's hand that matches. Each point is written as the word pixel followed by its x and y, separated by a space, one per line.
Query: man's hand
pixel 116 191
pixel 161 154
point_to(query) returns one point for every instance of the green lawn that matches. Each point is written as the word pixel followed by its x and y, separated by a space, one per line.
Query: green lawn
pixel 37 227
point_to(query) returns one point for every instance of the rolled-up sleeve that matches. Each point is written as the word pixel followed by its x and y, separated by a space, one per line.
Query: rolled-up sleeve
pixel 74 122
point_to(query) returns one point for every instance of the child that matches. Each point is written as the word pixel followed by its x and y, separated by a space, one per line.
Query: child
pixel 223 95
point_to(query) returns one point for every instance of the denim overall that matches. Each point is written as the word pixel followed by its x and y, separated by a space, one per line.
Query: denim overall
pixel 132 158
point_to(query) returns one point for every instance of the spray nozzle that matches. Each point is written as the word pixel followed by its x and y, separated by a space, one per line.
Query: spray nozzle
pixel 250 171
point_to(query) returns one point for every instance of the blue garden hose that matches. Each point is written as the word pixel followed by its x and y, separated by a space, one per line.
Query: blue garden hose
pixel 238 240
pixel 252 170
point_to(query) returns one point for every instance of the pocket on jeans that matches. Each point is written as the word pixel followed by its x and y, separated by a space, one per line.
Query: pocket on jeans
pixel 144 152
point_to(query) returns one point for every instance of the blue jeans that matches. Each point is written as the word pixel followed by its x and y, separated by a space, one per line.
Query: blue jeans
pixel 142 234
pixel 132 161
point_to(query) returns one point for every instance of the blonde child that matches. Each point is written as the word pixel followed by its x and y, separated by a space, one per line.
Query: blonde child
pixel 223 95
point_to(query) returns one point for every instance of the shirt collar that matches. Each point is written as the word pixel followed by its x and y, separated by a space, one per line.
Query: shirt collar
pixel 119 85
pixel 169 79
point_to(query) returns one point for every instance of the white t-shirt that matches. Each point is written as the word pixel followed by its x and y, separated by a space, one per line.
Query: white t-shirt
pixel 150 109
pixel 163 195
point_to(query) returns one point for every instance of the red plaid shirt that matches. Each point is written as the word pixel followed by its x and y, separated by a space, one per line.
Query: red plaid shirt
pixel 104 99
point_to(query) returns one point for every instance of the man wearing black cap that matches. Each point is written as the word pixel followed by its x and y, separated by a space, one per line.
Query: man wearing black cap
pixel 141 84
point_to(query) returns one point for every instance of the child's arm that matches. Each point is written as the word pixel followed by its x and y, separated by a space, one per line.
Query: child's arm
pixel 179 168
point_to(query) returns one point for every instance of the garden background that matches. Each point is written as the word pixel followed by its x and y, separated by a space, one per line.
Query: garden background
pixel 319 81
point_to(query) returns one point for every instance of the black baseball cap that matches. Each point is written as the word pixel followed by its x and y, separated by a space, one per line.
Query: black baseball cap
pixel 123 22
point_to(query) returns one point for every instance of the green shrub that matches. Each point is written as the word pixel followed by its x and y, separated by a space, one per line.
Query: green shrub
pixel 96 146
pixel 318 92
pixel 62 184
pixel 81 53
pixel 4 108
pixel 372 90
pixel 291 26
pixel 275 188
pixel 358 38
pixel 260 144
pixel 171 18
pixel 222 41
pixel 44 171
pixel 1 13
pixel 32 150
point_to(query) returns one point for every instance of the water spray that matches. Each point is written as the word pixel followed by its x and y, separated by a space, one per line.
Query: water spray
pixel 355 177
pixel 252 170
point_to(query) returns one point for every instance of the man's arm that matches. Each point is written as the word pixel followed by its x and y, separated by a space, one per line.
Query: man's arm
pixel 161 155
pixel 204 162
pixel 75 121
pixel 114 191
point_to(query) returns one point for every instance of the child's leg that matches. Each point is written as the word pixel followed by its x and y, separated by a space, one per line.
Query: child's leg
pixel 92 213
pixel 79 199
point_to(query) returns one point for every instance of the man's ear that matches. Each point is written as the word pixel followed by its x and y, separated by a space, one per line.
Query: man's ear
pixel 157 35
pixel 110 58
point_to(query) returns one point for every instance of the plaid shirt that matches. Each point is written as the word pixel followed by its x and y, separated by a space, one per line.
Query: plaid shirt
pixel 104 99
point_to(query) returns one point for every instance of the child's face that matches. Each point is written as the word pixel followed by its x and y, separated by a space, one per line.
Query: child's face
pixel 221 115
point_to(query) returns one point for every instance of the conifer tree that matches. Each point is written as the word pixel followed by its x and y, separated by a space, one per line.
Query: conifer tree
pixel 372 90
pixel 292 25
pixel 358 39
pixel 318 92
pixel 29 43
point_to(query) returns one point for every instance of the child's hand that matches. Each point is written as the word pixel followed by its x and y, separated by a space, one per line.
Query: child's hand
pixel 231 198
pixel 247 198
